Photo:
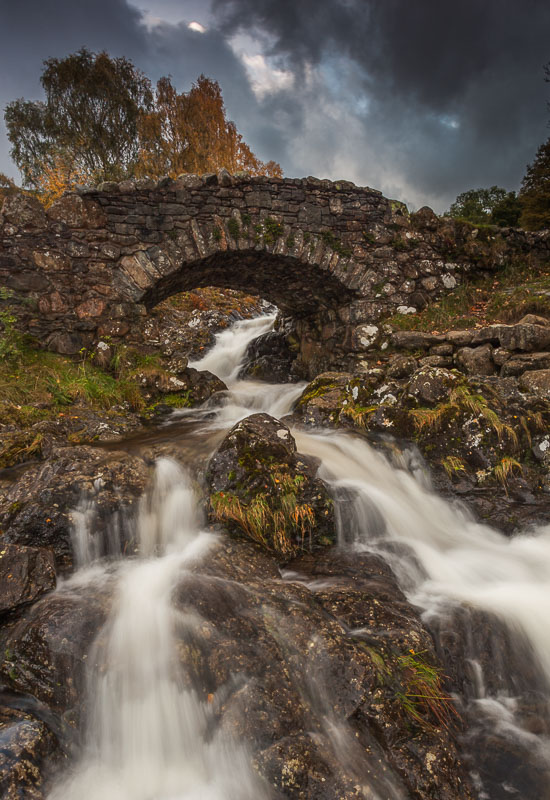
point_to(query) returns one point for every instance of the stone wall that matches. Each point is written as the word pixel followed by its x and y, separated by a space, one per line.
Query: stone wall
pixel 334 256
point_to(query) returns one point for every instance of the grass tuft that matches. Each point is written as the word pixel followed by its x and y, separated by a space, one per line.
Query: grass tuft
pixel 423 697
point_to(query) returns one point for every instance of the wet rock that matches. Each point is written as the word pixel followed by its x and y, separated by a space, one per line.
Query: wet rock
pixel 307 672
pixel 431 385
pixel 29 752
pixel 25 574
pixel 269 358
pixel 196 385
pixel 476 360
pixel 300 767
pixel 265 490
pixel 322 399
pixel 537 382
pixel 35 509
pixel 202 385
pixel 332 396
pixel 44 652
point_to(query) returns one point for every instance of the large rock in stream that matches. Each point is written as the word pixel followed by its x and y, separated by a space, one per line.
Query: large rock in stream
pixel 310 671
pixel 37 510
pixel 261 487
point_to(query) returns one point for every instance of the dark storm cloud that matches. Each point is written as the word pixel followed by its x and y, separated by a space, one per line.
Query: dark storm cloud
pixel 424 67
pixel 421 99
pixel 33 30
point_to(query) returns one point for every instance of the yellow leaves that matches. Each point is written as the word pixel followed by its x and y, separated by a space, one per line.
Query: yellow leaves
pixel 189 132
pixel 57 178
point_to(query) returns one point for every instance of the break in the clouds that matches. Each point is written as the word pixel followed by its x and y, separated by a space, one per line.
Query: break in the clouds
pixel 422 100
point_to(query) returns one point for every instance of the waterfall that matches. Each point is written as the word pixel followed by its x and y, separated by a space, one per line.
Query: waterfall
pixel 146 735
pixel 146 732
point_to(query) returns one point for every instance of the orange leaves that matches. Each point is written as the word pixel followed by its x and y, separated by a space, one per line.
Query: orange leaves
pixel 189 132
pixel 56 178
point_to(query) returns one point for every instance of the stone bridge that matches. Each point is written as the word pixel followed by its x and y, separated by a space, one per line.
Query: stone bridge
pixel 335 257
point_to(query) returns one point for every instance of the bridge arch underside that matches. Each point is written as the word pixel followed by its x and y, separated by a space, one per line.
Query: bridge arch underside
pixel 299 289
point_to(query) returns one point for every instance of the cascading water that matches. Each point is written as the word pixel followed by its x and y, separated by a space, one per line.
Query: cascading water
pixel 147 733
pixel 146 736
pixel 245 396
pixel 444 558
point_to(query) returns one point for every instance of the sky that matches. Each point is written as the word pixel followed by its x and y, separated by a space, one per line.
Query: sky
pixel 422 99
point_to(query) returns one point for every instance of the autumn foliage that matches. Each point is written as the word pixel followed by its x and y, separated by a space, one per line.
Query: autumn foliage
pixel 189 132
pixel 102 120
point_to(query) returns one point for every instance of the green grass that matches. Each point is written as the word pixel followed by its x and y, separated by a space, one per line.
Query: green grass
pixel 34 384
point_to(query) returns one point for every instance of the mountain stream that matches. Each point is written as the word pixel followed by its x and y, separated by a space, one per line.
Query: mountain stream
pixel 485 598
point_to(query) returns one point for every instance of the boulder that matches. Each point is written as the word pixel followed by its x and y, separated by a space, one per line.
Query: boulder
pixel 35 510
pixel 526 337
pixel 25 574
pixel 29 751
pixel 269 358
pixel 493 334
pixel 415 340
pixel 430 385
pixel 44 653
pixel 401 366
pixel 331 395
pixel 24 212
pixel 476 360
pixel 525 362
pixel 459 338
pixel 436 361
pixel 262 488
pixel 537 382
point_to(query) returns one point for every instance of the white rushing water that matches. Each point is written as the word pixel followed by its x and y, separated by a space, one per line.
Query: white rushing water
pixel 461 560
pixel 244 397
pixel 146 736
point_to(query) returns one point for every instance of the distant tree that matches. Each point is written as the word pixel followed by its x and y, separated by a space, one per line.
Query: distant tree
pixel 494 206
pixel 88 121
pixel 535 187
pixel 506 212
pixel 535 191
pixel 189 132
pixel 58 175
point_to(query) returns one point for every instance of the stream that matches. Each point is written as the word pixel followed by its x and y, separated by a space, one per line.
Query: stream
pixel 485 598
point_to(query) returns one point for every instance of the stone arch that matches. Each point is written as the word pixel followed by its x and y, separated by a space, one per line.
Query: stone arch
pixel 336 256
